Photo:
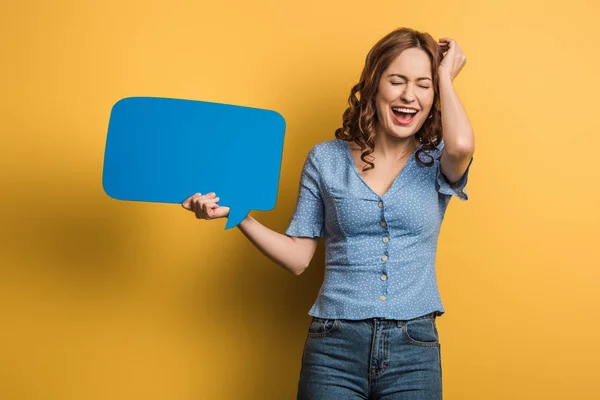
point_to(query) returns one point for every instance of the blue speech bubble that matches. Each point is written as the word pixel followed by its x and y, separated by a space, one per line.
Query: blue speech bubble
pixel 165 150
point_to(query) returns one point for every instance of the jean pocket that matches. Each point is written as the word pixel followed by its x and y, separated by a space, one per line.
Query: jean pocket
pixel 421 332
pixel 320 327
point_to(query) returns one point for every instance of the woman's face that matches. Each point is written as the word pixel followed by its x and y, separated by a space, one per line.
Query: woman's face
pixel 405 83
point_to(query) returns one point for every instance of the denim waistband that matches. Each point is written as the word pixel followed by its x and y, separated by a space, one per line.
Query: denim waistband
pixel 432 315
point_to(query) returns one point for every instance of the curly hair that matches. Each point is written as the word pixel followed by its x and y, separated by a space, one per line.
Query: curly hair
pixel 360 117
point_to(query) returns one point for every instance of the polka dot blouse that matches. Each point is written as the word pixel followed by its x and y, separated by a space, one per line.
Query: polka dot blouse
pixel 380 250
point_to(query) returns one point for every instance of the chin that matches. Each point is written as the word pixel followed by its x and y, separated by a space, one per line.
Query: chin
pixel 404 132
pixel 397 135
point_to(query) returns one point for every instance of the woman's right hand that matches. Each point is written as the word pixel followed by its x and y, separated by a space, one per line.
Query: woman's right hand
pixel 205 206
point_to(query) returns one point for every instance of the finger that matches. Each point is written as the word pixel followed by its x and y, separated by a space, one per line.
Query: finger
pixel 201 211
pixel 187 203
pixel 447 43
pixel 205 202
pixel 211 203
pixel 208 199
pixel 194 201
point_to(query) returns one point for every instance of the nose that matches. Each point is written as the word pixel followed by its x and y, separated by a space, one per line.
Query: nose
pixel 408 94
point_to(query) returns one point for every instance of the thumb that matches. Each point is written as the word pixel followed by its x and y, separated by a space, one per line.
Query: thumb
pixel 222 212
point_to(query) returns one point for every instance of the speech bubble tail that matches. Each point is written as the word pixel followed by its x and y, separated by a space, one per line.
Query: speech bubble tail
pixel 235 217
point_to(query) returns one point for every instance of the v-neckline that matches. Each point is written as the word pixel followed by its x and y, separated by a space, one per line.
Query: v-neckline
pixel 394 182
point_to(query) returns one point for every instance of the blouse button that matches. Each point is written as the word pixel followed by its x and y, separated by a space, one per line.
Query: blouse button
pixel 384 258
pixel 385 239
pixel 382 298
pixel 381 204
pixel 383 277
pixel 383 224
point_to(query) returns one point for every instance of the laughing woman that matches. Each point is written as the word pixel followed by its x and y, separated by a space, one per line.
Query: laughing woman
pixel 378 193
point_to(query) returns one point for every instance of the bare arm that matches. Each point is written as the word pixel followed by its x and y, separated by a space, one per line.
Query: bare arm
pixel 459 138
pixel 292 253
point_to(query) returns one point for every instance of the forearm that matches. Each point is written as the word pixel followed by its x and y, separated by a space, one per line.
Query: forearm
pixel 458 133
pixel 280 248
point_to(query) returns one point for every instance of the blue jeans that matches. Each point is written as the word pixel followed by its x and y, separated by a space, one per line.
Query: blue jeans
pixel 371 359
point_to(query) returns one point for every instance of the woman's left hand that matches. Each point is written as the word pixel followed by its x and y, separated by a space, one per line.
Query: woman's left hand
pixel 453 61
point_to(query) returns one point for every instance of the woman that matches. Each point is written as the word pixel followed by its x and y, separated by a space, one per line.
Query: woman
pixel 378 193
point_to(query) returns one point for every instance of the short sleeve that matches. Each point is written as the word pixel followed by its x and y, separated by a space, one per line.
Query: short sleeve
pixel 307 220
pixel 443 186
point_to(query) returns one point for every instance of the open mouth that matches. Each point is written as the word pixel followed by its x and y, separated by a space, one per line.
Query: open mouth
pixel 403 117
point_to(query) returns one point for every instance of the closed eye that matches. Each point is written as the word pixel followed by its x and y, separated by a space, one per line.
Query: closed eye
pixel 400 83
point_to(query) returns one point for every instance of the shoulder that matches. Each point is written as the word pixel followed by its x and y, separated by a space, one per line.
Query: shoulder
pixel 328 152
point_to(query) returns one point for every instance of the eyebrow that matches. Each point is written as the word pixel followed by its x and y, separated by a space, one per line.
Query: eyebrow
pixel 403 77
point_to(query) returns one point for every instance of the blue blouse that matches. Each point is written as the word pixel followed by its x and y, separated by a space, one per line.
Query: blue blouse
pixel 380 251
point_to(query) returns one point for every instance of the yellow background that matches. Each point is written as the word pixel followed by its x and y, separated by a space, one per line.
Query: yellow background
pixel 103 299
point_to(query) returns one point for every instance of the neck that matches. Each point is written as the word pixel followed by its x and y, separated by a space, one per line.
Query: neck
pixel 390 148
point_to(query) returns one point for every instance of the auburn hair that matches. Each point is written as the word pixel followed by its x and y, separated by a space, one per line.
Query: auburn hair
pixel 359 119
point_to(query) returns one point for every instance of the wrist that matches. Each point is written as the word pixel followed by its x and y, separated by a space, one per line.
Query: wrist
pixel 445 79
pixel 245 221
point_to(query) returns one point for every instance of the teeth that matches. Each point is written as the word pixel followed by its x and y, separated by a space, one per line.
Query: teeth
pixel 405 110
